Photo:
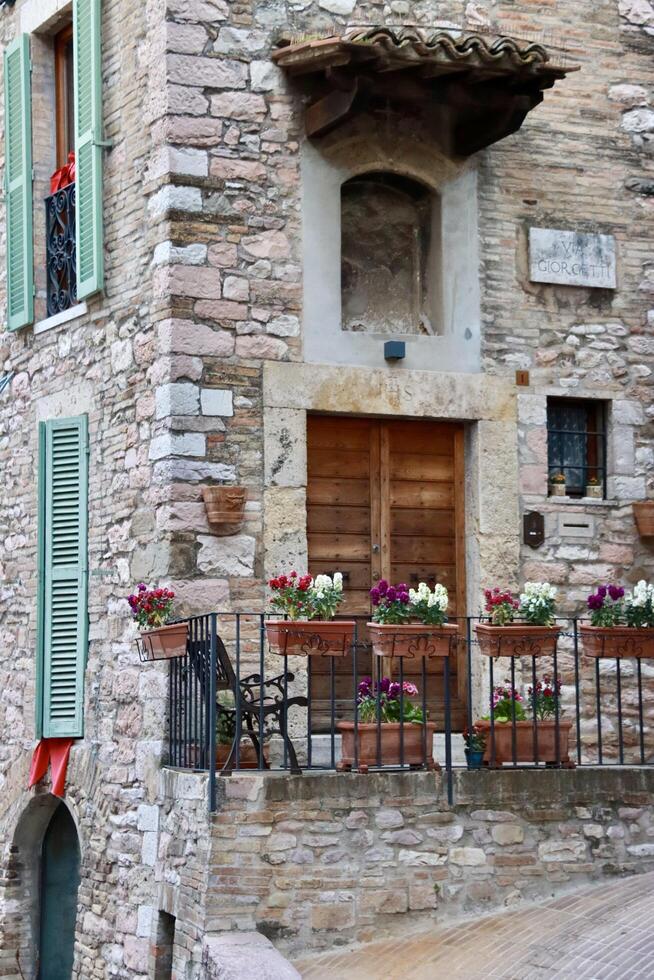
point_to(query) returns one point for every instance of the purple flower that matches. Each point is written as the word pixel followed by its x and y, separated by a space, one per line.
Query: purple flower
pixel 394 690
pixel 595 602
pixel 382 586
pixel 131 599
pixel 616 592
pixel 403 596
pixel 391 593
pixel 142 587
pixel 384 685
pixel 375 596
pixel 402 587
pixel 602 591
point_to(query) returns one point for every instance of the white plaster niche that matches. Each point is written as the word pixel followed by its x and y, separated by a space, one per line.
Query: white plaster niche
pixel 390 249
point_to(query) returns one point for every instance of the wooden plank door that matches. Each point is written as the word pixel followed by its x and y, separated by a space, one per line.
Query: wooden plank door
pixel 385 499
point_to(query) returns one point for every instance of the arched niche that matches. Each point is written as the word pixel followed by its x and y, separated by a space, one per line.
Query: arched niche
pixel 406 157
pixel 390 255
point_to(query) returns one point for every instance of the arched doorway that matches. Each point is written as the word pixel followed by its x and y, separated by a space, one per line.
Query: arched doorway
pixel 60 862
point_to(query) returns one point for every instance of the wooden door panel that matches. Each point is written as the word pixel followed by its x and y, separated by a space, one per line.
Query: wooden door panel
pixel 414 493
pixel 384 499
pixel 416 466
pixel 331 491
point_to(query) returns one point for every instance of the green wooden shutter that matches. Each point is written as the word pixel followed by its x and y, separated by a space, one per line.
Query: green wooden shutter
pixel 63 614
pixel 18 183
pixel 88 150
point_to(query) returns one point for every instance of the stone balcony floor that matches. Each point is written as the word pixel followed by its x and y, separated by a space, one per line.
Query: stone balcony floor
pixel 602 932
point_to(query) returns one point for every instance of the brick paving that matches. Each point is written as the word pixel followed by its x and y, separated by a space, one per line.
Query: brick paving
pixel 602 932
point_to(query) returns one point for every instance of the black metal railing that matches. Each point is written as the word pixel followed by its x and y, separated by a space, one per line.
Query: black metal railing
pixel 238 700
pixel 60 250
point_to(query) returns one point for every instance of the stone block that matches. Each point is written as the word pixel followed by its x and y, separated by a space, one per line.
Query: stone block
pixel 147 818
pixel 227 556
pixel 149 849
pixel 177 444
pixel 237 955
pixel 562 851
pixel 507 833
pixel 472 857
pixel 176 399
pixel 627 412
pixel 236 288
pixel 238 105
pixel 174 198
pixel 187 337
pixel 285 452
pixel 166 253
pixel 217 401
pixel 206 72
pixel 424 859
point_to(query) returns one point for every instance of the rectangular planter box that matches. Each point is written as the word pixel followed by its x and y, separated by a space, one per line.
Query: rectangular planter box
pixel 516 640
pixel 617 641
pixel 525 742
pixel 312 638
pixel 366 738
pixel 413 640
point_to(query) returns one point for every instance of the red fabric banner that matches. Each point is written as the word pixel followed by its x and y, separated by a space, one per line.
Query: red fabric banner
pixel 64 176
pixel 54 752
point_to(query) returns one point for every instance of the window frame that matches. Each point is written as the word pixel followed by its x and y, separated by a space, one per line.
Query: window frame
pixel 64 95
pixel 595 455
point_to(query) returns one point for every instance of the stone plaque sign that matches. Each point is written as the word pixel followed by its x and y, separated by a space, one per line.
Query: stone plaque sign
pixel 570 258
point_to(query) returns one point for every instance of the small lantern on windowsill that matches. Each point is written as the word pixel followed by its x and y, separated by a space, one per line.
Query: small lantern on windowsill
pixel 557 485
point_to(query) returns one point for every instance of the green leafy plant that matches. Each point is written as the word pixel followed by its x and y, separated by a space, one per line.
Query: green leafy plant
pixel 395 702
pixel 537 603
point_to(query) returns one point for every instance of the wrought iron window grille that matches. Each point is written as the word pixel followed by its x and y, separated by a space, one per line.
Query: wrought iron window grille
pixel 60 250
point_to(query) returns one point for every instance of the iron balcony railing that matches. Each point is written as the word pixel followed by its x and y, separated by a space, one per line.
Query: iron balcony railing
pixel 233 704
pixel 60 250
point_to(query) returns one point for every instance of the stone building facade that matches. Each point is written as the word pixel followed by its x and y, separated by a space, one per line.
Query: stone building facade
pixel 218 334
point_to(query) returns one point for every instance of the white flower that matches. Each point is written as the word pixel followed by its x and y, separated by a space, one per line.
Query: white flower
pixel 322 582
pixel 338 581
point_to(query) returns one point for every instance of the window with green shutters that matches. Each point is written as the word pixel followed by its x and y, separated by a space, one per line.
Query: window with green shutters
pixel 63 576
pixel 18 183
pixel 88 144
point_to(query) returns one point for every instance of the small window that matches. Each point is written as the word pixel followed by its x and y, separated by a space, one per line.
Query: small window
pixel 576 446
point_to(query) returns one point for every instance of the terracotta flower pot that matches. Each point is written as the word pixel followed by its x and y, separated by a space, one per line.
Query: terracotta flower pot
pixel 418 745
pixel 164 643
pixel 617 641
pixel 314 638
pixel 525 744
pixel 516 640
pixel 248 757
pixel 224 505
pixel 413 640
pixel 644 516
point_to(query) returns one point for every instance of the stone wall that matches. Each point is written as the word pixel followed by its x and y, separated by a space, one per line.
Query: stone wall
pixel 319 860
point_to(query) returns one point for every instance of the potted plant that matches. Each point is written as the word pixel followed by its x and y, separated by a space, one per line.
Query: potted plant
pixel 535 729
pixel 410 622
pixel 388 720
pixel 644 517
pixel 152 610
pixel 534 635
pixel 620 626
pixel 475 744
pixel 248 757
pixel 594 488
pixel 557 485
pixel 310 606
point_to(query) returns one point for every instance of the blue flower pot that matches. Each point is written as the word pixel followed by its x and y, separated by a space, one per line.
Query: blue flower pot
pixel 475 759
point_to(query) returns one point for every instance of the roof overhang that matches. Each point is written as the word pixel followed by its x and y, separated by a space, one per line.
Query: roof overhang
pixel 483 87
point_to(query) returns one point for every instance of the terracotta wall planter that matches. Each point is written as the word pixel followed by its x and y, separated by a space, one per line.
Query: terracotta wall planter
pixel 413 640
pixel 164 643
pixel 644 517
pixel 418 745
pixel 516 640
pixel 315 637
pixel 225 506
pixel 617 641
pixel 525 743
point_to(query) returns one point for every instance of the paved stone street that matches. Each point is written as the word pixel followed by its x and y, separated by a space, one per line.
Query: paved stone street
pixel 602 932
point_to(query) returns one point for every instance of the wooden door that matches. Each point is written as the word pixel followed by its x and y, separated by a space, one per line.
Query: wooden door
pixel 386 500
pixel 59 885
